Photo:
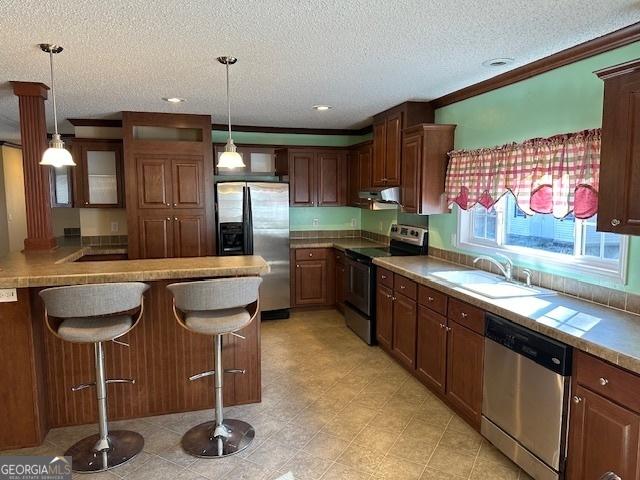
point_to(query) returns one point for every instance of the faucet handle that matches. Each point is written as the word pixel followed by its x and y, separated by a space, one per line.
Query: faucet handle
pixel 527 274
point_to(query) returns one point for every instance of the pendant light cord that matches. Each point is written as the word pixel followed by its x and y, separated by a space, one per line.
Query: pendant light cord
pixel 228 100
pixel 53 93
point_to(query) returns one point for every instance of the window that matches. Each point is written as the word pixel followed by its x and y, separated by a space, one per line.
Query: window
pixel 539 237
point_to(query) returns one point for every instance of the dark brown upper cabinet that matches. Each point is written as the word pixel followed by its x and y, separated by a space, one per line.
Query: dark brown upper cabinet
pixel 360 161
pixel 98 175
pixel 317 177
pixel 619 190
pixel 424 167
pixel 387 140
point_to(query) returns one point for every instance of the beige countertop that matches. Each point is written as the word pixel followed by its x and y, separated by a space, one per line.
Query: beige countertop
pixel 604 332
pixel 59 267
pixel 339 243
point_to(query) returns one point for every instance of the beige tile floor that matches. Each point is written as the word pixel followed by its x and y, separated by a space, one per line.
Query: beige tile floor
pixel 333 409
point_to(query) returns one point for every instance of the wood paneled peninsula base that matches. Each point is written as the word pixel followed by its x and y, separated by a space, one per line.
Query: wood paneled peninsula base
pixel 37 370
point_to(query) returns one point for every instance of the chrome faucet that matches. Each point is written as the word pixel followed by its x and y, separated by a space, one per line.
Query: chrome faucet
pixel 506 269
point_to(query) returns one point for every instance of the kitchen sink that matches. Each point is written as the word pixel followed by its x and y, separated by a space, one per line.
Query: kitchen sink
pixel 490 285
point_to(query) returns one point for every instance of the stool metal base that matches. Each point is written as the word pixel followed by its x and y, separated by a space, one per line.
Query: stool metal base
pixel 124 445
pixel 200 442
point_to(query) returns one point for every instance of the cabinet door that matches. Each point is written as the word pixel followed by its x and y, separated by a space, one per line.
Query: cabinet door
pixel 465 359
pixel 431 357
pixel 187 182
pixel 411 156
pixel 302 179
pixel 101 174
pixel 364 167
pixel 189 235
pixel 331 178
pixel 404 329
pixel 603 438
pixel 618 208
pixel 311 282
pixel 384 316
pixel 378 176
pixel 393 148
pixel 154 182
pixel 156 236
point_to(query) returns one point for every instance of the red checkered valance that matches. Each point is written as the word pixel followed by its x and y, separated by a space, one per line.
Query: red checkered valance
pixel 556 175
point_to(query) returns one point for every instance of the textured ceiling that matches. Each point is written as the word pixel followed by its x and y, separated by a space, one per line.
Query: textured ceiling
pixel 360 56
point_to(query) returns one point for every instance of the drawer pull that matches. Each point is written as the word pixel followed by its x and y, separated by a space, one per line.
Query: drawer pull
pixel 448 329
pixel 384 277
pixel 401 287
pixel 297 266
pixel 393 298
pixel 603 381
pixel 615 222
pixel 442 325
pixel 430 299
pixel 311 254
pixel 576 399
pixel 464 315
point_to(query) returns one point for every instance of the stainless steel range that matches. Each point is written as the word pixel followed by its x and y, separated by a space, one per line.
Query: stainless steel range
pixel 360 311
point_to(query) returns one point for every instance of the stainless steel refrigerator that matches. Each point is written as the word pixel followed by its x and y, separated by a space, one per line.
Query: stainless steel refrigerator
pixel 253 219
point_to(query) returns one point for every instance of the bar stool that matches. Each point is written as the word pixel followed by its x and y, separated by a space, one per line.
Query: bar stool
pixel 217 307
pixel 96 314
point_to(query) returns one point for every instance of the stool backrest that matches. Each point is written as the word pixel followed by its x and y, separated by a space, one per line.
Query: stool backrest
pixel 216 294
pixel 93 300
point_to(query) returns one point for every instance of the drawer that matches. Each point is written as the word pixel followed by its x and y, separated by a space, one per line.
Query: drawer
pixel 311 253
pixel 406 287
pixel 467 315
pixel 608 380
pixel 385 277
pixel 430 298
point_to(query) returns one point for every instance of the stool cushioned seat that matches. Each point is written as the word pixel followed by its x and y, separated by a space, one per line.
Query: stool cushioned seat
pixel 94 329
pixel 217 322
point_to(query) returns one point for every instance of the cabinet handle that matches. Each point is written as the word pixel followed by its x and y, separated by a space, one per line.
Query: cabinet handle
pixel 311 254
pixel 464 315
pixel 388 296
pixel 168 204
pixel 603 381
pixel 175 204
pixel 577 399
pixel 401 287
pixel 615 222
pixel 168 218
pixel 86 203
pixel 297 266
pixel 430 299
pixel 442 325
pixel 384 277
pixel 393 298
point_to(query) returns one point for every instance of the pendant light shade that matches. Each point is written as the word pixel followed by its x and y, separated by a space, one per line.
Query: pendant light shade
pixel 230 158
pixel 56 155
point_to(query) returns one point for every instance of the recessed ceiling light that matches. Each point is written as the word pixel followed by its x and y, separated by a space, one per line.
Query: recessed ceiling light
pixel 498 62
pixel 173 99
pixel 322 108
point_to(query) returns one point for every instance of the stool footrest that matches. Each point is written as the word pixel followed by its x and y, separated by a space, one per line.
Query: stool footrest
pixel 198 376
pixel 82 386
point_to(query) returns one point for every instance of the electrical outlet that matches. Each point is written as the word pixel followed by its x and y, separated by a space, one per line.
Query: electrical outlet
pixel 316 222
pixel 8 295
pixel 354 222
pixel 115 227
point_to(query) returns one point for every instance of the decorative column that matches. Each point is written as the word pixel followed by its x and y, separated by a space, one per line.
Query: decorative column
pixel 33 133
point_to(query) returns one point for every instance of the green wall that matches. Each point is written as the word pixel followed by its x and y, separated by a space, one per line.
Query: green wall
pixel 567 99
pixel 329 218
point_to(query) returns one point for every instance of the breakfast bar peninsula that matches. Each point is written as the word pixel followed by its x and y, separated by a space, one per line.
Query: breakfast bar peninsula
pixel 38 370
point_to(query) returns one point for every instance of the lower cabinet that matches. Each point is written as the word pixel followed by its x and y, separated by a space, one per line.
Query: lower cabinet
pixel 404 330
pixel 445 352
pixel 604 423
pixel 431 361
pixel 465 355
pixel 384 316
pixel 340 280
pixel 313 277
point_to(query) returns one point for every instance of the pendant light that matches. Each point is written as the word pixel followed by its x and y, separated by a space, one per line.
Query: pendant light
pixel 56 155
pixel 230 158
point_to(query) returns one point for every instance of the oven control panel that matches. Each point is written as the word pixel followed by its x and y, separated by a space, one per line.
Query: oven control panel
pixel 409 234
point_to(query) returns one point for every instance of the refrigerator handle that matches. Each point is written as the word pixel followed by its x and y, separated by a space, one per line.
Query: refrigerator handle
pixel 247 222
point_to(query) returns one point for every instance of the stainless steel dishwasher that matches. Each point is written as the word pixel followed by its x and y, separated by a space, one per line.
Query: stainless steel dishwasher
pixel 525 397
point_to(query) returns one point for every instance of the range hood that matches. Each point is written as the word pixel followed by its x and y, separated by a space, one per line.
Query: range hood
pixel 387 198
